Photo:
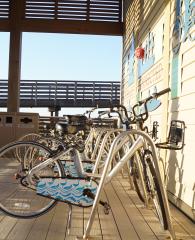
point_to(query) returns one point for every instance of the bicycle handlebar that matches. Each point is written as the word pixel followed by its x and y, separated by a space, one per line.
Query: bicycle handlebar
pixel 144 116
pixel 101 113
pixel 155 95
pixel 136 117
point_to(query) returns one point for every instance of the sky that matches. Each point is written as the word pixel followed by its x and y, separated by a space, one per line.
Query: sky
pixel 65 57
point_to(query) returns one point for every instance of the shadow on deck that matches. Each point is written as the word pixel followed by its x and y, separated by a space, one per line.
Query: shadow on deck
pixel 128 220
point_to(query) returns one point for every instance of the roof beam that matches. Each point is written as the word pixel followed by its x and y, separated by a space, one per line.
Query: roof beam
pixel 62 26
pixel 4 25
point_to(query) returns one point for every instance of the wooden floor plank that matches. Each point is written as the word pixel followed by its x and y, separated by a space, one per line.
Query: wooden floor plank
pixel 124 225
pixel 137 220
pixel 1 216
pixel 107 223
pixel 58 226
pixel 21 230
pixel 147 214
pixel 41 226
pixel 96 232
pixel 76 223
pixel 6 225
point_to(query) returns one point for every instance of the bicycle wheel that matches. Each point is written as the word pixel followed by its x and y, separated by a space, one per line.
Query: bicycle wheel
pixel 154 191
pixel 26 138
pixel 18 198
pixel 136 179
pixel 50 142
pixel 30 137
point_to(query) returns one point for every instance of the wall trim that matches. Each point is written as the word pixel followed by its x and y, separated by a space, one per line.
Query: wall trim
pixel 182 206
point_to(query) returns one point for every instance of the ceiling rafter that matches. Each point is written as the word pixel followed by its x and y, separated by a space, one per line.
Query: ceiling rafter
pixel 102 17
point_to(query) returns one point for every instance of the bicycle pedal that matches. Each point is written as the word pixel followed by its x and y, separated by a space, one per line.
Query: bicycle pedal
pixel 17 176
pixel 107 208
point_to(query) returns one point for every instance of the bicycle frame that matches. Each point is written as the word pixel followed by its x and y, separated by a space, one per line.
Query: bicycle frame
pixel 78 161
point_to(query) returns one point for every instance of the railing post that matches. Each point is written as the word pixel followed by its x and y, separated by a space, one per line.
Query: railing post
pixel 93 100
pixel 116 90
pixel 83 92
pixel 75 94
pixel 49 92
pixel 32 91
pixel 56 92
pixel 111 92
pixel 35 97
pixel 66 91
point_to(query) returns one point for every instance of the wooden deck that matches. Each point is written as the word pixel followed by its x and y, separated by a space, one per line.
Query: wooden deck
pixel 128 220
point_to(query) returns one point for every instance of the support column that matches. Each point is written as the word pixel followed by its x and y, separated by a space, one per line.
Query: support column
pixel 54 109
pixel 13 103
pixel 16 15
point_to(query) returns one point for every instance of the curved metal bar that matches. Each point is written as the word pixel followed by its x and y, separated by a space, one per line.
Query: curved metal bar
pixel 102 148
pixel 142 140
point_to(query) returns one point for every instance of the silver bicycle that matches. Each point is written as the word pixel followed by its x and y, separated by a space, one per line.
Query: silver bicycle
pixel 31 189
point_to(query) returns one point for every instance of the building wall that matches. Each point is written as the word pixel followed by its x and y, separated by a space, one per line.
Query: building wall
pixel 166 30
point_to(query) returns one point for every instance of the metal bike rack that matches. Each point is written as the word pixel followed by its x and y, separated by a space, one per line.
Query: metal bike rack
pixel 106 176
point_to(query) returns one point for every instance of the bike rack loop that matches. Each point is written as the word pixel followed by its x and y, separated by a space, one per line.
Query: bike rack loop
pixel 103 178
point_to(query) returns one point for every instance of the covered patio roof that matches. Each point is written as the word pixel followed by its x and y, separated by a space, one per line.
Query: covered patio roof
pixel 101 17
pixel 60 16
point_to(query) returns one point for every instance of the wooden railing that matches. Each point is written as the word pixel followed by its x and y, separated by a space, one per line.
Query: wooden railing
pixel 45 93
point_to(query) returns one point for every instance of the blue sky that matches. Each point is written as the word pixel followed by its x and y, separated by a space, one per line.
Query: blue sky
pixel 66 57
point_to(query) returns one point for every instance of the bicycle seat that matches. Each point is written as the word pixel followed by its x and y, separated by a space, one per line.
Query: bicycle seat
pixel 61 127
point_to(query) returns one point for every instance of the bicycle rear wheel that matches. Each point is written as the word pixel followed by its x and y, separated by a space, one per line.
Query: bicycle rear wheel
pixel 17 198
pixel 155 194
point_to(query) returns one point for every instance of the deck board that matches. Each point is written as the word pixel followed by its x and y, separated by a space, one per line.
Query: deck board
pixel 21 230
pixel 125 227
pixel 127 220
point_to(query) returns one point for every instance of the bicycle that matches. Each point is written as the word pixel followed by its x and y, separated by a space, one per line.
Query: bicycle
pixel 143 171
pixel 48 183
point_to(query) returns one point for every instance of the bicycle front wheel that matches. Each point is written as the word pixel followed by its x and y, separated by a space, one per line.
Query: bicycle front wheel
pixel 17 198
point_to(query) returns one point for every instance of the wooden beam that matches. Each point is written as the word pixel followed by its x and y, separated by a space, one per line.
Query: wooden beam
pixel 68 26
pixel 16 13
pixel 4 25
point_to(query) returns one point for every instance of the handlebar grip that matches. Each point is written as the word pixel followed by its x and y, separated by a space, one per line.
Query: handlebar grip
pixel 101 113
pixel 163 92
pixel 155 95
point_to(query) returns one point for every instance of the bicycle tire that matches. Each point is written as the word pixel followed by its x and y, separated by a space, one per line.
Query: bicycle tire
pixel 51 142
pixel 17 200
pixel 154 189
pixel 136 181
